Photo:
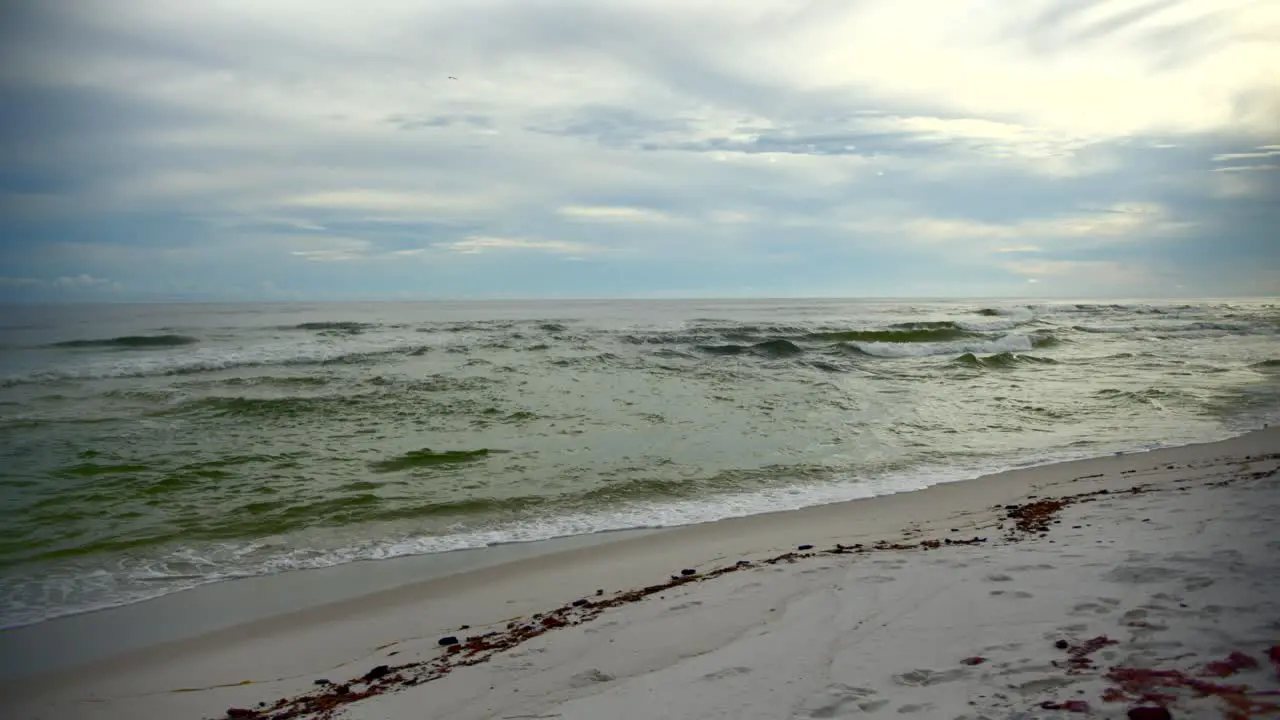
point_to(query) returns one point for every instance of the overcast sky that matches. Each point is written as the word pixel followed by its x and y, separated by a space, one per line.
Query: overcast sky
pixel 321 149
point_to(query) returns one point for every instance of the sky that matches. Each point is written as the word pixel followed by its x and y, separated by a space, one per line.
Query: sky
pixel 279 150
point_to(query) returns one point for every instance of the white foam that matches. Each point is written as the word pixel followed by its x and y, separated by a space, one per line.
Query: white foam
pixel 1007 343
pixel 214 358
pixel 1011 318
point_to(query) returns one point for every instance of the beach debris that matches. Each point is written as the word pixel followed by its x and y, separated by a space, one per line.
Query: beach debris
pixel 242 713
pixel 1234 663
pixel 1152 687
pixel 322 681
pixel 1078 655
pixel 1035 517
pixel 975 660
pixel 805 547
pixel 376 673
pixel 1149 713
pixel 1032 518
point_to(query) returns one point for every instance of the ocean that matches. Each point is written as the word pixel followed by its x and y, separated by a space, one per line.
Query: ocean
pixel 148 449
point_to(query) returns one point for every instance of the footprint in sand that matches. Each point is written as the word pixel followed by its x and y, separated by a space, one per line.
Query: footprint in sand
pixel 726 673
pixel 589 677
pixel 840 700
pixel 922 677
pixel 1090 608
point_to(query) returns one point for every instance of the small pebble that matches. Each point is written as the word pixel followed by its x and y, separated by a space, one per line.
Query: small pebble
pixel 688 571
pixel 806 547
pixel 448 640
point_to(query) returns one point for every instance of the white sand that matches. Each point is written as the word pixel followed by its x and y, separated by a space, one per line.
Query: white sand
pixel 1179 577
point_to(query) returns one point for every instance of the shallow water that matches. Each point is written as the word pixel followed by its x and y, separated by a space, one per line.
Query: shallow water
pixel 147 449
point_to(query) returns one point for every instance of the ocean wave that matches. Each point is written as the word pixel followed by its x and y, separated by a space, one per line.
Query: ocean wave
pixel 1044 339
pixel 1008 343
pixel 131 342
pixel 428 458
pixel 345 326
pixel 895 336
pixel 1002 360
pixel 263 407
pixel 1010 318
pixel 213 360
pixel 770 348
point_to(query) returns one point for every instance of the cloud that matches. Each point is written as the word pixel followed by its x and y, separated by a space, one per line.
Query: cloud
pixel 83 282
pixel 882 146
pixel 481 244
pixel 615 214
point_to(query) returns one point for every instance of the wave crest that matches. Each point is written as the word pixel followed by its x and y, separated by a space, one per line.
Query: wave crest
pixel 131 341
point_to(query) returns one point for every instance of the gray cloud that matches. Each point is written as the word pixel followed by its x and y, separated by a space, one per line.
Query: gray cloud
pixel 662 133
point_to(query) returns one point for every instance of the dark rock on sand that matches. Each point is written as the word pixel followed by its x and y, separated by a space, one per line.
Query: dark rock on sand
pixel 448 640
pixel 1150 713
pixel 322 681
pixel 376 673
pixel 688 571
pixel 805 547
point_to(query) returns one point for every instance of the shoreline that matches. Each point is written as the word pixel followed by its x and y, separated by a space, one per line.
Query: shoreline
pixel 412 568
pixel 346 630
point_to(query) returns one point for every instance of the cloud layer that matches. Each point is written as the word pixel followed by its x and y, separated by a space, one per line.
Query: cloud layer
pixel 238 150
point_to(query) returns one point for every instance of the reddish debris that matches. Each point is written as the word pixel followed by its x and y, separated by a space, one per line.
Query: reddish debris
pixel 1143 685
pixel 1234 663
pixel 973 660
pixel 1034 517
pixel 1078 655
pixel 242 714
